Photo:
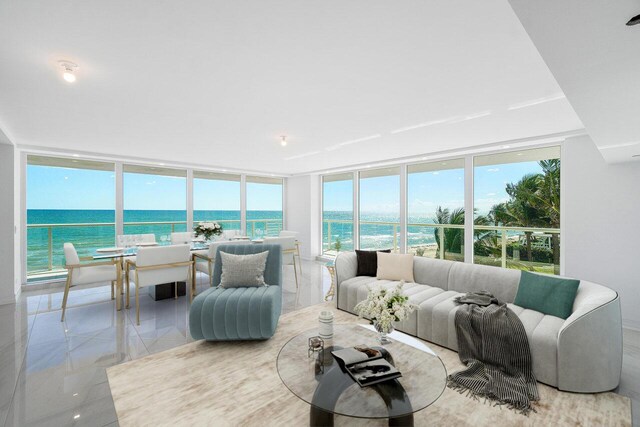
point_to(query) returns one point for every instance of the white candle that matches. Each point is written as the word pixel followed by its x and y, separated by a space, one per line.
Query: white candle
pixel 325 330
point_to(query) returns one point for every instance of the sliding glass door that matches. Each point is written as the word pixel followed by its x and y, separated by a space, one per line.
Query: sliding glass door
pixel 337 213
pixel 380 209
pixel 517 215
pixel 435 209
pixel 155 200
pixel 68 200
pixel 216 197
pixel 264 206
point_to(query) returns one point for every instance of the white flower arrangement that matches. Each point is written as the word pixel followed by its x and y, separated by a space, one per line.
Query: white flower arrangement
pixel 208 229
pixel 383 307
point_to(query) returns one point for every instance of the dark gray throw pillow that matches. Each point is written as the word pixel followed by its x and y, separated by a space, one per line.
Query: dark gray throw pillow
pixel 368 262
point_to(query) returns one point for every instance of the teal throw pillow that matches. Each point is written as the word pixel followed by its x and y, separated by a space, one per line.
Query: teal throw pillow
pixel 547 294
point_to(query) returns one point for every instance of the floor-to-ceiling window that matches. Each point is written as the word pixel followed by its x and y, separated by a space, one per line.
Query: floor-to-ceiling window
pixel 68 200
pixel 380 209
pixel 155 200
pixel 517 209
pixel 216 197
pixel 337 213
pixel 264 206
pixel 435 209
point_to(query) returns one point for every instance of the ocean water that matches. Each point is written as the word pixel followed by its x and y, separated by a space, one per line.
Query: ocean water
pixel 374 236
pixel 88 238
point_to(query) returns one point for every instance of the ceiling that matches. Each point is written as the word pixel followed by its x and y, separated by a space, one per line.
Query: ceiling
pixel 217 82
pixel 595 57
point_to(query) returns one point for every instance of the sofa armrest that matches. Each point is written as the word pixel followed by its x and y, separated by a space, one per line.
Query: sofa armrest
pixel 346 268
pixel 590 342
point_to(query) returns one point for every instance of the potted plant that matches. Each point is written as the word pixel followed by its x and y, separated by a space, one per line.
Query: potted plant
pixel 337 245
pixel 208 229
pixel 383 307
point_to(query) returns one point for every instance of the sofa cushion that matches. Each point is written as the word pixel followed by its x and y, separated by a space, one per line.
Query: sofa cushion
pixel 368 262
pixel 395 267
pixel 500 282
pixel 547 294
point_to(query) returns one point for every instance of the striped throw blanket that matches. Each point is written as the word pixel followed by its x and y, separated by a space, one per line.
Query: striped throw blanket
pixel 492 343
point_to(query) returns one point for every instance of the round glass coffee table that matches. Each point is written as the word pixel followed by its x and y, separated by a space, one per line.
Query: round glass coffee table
pixel 322 383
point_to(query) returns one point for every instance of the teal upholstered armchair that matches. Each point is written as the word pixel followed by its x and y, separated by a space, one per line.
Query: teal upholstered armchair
pixel 252 313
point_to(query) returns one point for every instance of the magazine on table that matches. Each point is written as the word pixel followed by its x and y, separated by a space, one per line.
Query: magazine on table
pixel 366 365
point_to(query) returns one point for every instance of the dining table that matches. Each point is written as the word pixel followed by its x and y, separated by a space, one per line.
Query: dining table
pixel 165 290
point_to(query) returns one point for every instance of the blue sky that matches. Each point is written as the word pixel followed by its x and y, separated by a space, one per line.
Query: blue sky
pixel 63 188
pixel 428 190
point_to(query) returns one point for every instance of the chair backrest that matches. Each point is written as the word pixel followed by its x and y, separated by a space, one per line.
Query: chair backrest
pixel 288 233
pixel 273 268
pixel 181 238
pixel 213 247
pixel 288 244
pixel 148 238
pixel 229 234
pixel 70 254
pixel 161 255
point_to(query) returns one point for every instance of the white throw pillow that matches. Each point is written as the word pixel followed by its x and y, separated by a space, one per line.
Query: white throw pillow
pixel 395 267
pixel 243 271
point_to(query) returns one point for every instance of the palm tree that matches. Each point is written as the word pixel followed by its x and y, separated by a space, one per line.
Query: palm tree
pixel 454 237
pixel 534 202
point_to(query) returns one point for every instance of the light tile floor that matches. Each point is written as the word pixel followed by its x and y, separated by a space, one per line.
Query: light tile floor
pixel 53 373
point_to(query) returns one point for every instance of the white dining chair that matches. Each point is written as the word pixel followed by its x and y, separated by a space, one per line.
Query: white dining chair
pixel 158 265
pixel 205 258
pixel 96 273
pixel 228 234
pixel 148 238
pixel 181 238
pixel 288 245
pixel 289 233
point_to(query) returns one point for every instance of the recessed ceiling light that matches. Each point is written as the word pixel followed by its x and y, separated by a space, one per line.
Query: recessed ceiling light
pixel 283 140
pixel 425 158
pixel 69 70
pixel 224 170
pixel 506 146
pixel 161 164
pixel 76 416
pixel 519 154
pixel 76 155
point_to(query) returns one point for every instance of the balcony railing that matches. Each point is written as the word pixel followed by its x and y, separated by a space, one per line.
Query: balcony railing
pixel 45 255
pixel 503 246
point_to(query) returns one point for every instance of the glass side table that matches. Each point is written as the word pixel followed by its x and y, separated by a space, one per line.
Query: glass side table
pixel 331 267
pixel 321 382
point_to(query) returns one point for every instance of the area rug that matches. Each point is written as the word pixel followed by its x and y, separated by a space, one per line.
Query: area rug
pixel 237 384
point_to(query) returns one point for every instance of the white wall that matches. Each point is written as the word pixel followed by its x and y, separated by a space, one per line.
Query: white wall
pixel 601 223
pixel 7 209
pixel 303 212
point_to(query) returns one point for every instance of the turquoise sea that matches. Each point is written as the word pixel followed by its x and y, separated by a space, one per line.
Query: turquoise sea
pixel 381 233
pixel 377 230
pixel 88 238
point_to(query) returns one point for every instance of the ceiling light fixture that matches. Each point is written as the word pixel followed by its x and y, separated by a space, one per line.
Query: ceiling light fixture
pixel 69 70
pixel 634 21
pixel 506 146
pixel 283 140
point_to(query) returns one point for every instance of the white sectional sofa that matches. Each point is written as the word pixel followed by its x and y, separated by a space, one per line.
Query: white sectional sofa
pixel 581 354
